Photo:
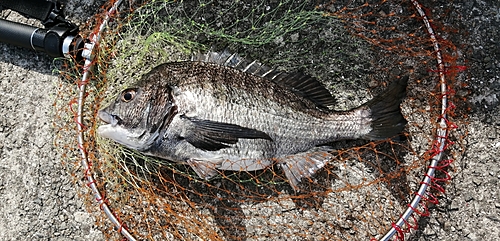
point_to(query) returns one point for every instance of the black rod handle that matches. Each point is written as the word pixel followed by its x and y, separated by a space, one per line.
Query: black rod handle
pixel 22 35
pixel 59 41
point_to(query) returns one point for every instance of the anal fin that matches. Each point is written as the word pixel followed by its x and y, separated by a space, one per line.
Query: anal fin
pixel 303 165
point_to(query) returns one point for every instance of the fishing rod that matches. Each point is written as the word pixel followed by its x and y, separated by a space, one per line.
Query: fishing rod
pixel 58 38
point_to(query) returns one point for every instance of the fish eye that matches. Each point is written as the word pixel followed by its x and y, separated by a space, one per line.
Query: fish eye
pixel 128 95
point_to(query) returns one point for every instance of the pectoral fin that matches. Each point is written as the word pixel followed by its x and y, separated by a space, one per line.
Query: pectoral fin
pixel 212 136
pixel 303 165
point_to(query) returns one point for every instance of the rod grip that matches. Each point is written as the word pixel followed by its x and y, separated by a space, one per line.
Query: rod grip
pixel 22 35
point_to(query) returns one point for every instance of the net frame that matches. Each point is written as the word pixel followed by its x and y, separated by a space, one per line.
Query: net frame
pixel 88 55
pixel 405 224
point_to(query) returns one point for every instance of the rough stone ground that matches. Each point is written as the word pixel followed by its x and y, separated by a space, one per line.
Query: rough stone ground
pixel 39 202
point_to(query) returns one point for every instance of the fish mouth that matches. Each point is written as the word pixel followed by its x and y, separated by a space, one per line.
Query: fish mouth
pixel 113 129
pixel 107 118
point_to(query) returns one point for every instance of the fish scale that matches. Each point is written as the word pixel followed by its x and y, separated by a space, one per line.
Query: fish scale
pixel 292 125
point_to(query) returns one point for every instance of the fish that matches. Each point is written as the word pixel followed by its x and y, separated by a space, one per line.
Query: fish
pixel 219 111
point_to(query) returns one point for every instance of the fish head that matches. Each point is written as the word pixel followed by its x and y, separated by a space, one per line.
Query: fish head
pixel 138 116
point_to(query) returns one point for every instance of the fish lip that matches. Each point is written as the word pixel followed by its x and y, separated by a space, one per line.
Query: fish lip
pixel 107 118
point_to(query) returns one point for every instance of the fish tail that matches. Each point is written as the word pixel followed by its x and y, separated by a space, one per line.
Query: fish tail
pixel 387 119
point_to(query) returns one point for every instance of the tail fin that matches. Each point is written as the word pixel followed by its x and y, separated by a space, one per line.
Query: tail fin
pixel 387 119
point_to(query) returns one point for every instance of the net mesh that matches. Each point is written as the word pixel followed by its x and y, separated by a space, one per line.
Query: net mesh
pixel 356 48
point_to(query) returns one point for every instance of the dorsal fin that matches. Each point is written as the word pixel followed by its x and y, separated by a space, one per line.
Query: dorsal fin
pixel 307 87
pixel 301 84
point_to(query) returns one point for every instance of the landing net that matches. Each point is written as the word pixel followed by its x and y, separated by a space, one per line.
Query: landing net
pixel 370 190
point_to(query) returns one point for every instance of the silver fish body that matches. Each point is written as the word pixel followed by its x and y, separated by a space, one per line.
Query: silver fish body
pixel 221 112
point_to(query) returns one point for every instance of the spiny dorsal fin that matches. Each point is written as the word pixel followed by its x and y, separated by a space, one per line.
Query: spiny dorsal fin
pixel 302 84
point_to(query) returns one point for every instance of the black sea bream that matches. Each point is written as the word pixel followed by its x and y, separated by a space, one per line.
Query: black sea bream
pixel 220 111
